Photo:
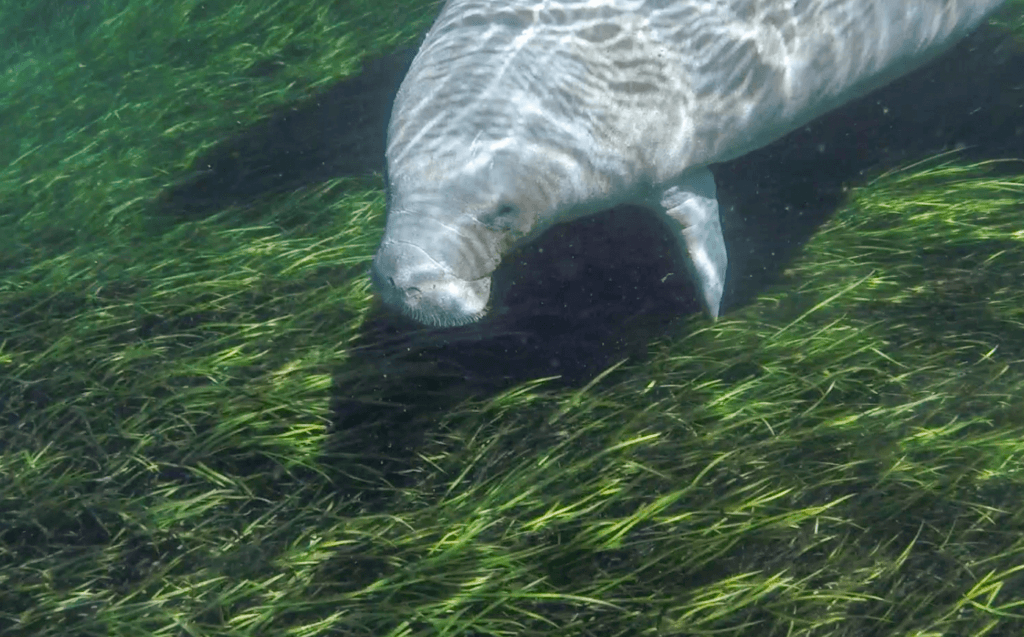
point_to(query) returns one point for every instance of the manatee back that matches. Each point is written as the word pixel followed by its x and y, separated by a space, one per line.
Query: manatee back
pixel 755 70
pixel 643 89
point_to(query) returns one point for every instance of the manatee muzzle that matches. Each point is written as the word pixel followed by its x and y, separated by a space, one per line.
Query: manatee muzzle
pixel 425 289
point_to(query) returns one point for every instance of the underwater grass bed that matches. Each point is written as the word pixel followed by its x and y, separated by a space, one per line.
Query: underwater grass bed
pixel 840 457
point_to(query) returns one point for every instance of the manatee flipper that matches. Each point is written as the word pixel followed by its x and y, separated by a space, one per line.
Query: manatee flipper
pixel 689 206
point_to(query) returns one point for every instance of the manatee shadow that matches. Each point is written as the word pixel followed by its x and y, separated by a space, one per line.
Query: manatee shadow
pixel 560 315
pixel 340 132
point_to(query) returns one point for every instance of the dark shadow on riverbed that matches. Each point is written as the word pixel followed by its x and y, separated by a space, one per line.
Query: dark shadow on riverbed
pixel 339 132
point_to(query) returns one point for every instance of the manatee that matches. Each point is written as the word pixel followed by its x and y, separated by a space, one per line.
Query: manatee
pixel 519 114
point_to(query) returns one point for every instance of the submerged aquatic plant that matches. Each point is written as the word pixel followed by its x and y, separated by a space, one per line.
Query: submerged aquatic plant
pixel 205 430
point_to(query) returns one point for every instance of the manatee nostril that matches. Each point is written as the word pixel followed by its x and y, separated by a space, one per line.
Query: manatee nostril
pixel 391 281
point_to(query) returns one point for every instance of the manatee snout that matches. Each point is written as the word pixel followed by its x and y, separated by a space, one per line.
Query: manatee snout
pixel 425 289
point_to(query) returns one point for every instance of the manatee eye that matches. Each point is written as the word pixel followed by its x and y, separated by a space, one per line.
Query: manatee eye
pixel 504 216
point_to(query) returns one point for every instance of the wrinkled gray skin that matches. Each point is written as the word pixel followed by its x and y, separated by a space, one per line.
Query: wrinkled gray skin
pixel 519 114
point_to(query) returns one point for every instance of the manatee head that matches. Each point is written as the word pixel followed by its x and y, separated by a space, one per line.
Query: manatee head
pixel 487 146
pixel 450 223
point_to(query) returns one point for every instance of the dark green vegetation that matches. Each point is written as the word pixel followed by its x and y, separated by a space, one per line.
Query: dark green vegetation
pixel 205 430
